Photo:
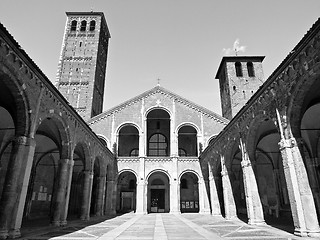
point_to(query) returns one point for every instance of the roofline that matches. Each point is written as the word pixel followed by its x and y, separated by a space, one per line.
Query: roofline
pixel 101 14
pixel 146 93
pixel 233 58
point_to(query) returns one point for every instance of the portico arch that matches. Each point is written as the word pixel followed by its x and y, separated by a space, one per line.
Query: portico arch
pixel 126 191
pixel 189 192
pixel 158 192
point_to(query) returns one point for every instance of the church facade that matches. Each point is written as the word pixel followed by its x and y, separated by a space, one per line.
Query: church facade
pixel 63 158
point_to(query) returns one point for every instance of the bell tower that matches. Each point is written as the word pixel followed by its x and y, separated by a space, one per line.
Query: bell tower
pixel 82 64
pixel 239 78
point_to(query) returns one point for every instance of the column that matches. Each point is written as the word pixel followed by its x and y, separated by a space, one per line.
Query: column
pixel 15 186
pixel 300 195
pixel 91 176
pixel 229 203
pixel 140 197
pixel 203 198
pixel 66 207
pixel 59 199
pixel 174 189
pixel 109 209
pixel 85 196
pixel 99 201
pixel 214 199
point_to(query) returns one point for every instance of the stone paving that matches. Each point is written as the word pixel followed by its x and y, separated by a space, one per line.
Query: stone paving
pixel 160 227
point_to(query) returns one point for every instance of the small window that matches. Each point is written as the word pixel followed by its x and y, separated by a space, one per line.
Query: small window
pixel 83 25
pixel 238 69
pixel 92 25
pixel 250 69
pixel 74 25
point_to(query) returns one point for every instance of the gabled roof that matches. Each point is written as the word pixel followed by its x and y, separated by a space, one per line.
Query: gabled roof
pixel 155 90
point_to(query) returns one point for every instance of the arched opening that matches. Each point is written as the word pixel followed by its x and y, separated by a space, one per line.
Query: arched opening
pixel 128 141
pixel 310 133
pixel 187 141
pixel 43 179
pixel 126 195
pixel 269 173
pixel 7 132
pixel 236 179
pixel 158 133
pixel 92 25
pixel 73 25
pixel 83 25
pixel 76 190
pixel 95 188
pixel 189 193
pixel 158 193
pixel 238 69
pixel 250 69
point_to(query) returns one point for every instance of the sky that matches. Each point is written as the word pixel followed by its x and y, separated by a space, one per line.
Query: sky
pixel 180 42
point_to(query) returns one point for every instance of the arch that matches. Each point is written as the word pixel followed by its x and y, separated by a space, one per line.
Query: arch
pixel 92 25
pixel 187 140
pixel 157 108
pixel 250 69
pixel 128 123
pixel 158 192
pixel 158 132
pixel 73 26
pixel 127 191
pixel 189 191
pixel 128 139
pixel 83 25
pixel 105 141
pixel 161 170
pixel 189 171
pixel 188 124
pixel 238 68
pixel 81 153
pixel 211 139
pixel 127 170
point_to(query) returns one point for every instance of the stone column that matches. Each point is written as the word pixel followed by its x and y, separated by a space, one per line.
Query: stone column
pixel 66 207
pixel 300 195
pixel 174 188
pixel 15 186
pixel 109 209
pixel 214 199
pixel 90 196
pixel 253 202
pixel 99 201
pixel 229 203
pixel 60 195
pixel 140 197
pixel 203 198
pixel 85 197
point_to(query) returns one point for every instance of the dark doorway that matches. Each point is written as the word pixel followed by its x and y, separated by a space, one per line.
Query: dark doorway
pixel 157 200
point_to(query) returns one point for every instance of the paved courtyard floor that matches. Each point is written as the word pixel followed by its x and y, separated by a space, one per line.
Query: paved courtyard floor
pixel 159 227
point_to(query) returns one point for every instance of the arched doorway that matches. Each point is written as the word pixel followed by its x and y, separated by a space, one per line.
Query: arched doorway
pixel 158 133
pixel 128 144
pixel 126 196
pixel 158 196
pixel 187 141
pixel 189 193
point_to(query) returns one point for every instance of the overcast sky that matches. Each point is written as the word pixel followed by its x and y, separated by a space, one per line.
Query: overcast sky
pixel 179 41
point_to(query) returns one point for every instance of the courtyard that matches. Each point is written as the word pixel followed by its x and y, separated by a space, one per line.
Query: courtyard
pixel 160 226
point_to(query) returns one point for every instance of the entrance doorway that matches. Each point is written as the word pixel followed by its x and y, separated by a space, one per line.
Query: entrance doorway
pixel 158 193
pixel 157 200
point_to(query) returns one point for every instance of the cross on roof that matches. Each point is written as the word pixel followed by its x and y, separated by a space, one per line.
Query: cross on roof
pixel 158 80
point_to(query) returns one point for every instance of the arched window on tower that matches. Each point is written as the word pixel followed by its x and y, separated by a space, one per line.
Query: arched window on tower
pixel 238 69
pixel 83 25
pixel 92 25
pixel 187 141
pixel 73 25
pixel 250 69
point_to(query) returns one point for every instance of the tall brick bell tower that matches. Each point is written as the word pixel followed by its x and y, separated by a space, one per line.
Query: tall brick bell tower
pixel 82 64
pixel 239 78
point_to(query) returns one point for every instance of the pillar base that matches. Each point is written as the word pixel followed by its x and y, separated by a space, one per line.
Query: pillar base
pixel 4 234
pixel 55 223
pixel 205 212
pixel 15 233
pixel 64 223
pixel 256 222
pixel 306 233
